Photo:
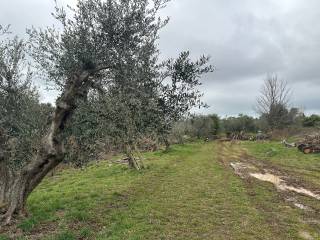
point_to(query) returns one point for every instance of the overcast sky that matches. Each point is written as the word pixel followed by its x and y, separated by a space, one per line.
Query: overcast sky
pixel 247 40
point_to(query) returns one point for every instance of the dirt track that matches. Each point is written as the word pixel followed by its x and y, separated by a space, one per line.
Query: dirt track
pixel 293 191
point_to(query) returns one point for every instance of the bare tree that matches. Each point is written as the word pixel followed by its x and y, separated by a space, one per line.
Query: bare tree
pixel 273 102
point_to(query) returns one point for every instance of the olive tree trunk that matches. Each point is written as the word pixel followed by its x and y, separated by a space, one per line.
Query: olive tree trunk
pixel 167 144
pixel 132 159
pixel 16 186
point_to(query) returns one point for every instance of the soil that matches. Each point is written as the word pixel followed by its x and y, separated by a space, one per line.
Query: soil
pixel 292 190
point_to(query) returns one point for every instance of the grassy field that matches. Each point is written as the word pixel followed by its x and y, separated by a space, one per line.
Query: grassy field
pixel 188 193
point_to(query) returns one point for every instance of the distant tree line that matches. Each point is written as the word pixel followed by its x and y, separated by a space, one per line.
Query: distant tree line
pixel 210 126
pixel 311 121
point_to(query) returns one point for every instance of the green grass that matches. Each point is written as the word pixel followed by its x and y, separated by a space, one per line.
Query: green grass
pixel 186 193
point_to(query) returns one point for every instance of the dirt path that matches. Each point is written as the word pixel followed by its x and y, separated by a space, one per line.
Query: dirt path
pixel 290 188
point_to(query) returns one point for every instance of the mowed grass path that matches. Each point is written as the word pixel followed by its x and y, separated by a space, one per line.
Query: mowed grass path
pixel 184 194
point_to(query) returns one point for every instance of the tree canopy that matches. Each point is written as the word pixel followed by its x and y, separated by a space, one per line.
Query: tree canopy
pixel 104 61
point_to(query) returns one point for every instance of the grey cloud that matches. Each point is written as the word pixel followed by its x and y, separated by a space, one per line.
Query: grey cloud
pixel 246 39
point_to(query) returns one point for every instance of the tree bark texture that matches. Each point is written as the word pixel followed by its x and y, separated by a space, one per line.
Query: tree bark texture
pixel 16 186
pixel 132 160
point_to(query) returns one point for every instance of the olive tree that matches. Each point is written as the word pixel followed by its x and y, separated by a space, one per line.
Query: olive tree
pixel 153 98
pixel 23 121
pixel 119 117
pixel 81 57
pixel 241 123
pixel 129 110
pixel 179 93
pixel 203 126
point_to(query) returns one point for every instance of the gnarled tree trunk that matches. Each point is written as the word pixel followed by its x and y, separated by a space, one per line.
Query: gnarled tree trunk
pixel 167 144
pixel 132 160
pixel 16 186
